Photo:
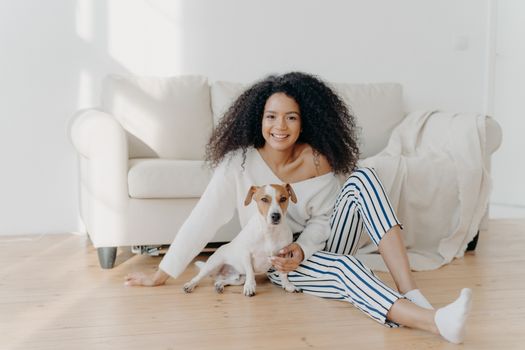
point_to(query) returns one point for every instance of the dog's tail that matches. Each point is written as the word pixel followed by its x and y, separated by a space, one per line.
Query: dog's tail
pixel 199 264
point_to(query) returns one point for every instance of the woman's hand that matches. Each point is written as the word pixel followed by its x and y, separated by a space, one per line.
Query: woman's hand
pixel 288 258
pixel 141 279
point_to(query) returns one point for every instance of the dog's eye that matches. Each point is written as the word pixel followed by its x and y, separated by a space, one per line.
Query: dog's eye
pixel 282 200
pixel 265 200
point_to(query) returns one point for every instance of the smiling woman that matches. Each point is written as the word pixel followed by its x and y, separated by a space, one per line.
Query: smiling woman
pixel 293 128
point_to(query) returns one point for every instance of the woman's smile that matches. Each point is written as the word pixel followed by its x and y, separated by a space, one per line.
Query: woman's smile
pixel 279 136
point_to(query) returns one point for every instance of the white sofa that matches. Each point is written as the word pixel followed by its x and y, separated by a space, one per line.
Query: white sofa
pixel 141 153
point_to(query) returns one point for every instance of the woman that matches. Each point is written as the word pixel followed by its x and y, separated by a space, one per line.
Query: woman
pixel 294 129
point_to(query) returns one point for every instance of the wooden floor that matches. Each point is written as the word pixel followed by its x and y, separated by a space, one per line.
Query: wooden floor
pixel 53 295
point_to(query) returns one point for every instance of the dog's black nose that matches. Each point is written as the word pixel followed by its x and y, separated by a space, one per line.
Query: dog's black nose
pixel 275 217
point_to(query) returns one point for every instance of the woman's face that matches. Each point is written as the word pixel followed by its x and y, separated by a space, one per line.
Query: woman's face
pixel 281 123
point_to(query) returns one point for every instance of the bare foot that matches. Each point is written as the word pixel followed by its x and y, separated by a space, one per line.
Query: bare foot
pixel 141 279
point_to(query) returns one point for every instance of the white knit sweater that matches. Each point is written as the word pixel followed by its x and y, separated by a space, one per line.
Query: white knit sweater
pixel 226 193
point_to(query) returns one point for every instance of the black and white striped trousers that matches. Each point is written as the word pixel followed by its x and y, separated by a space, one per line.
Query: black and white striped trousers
pixel 335 273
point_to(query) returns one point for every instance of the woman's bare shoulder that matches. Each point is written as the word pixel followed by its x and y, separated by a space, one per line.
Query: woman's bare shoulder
pixel 318 162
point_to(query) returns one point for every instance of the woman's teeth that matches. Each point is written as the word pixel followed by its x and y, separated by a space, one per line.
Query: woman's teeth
pixel 279 136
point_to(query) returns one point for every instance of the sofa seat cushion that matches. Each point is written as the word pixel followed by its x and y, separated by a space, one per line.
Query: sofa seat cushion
pixel 166 178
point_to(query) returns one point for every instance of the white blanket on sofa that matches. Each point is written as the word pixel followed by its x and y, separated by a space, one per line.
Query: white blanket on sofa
pixel 433 169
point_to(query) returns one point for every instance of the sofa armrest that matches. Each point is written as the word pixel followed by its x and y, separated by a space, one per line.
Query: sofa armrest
pixel 494 135
pixel 435 127
pixel 92 131
pixel 101 143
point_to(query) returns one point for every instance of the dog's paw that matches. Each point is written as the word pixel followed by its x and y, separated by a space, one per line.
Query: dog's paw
pixel 188 287
pixel 219 287
pixel 290 288
pixel 249 290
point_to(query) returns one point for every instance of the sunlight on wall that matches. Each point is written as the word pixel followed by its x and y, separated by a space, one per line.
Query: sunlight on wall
pixel 84 19
pixel 86 97
pixel 145 36
pixel 167 55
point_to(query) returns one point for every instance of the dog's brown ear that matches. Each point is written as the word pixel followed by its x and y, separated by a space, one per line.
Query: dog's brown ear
pixel 249 196
pixel 293 197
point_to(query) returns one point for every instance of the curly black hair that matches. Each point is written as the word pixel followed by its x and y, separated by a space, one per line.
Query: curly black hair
pixel 327 124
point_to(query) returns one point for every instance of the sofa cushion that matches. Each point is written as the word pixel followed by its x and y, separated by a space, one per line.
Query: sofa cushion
pixel 377 108
pixel 166 178
pixel 163 117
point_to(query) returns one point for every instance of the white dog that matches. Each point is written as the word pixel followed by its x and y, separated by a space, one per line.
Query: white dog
pixel 249 253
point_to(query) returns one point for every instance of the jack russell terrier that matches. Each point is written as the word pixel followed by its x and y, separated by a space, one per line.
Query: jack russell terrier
pixel 249 252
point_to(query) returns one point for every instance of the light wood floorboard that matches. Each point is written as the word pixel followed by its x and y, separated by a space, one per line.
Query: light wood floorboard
pixel 53 295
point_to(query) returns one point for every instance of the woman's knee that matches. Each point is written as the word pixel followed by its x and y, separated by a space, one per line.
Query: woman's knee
pixel 361 177
pixel 346 262
pixel 362 180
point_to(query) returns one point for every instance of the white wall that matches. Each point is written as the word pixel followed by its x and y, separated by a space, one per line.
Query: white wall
pixel 53 54
pixel 509 94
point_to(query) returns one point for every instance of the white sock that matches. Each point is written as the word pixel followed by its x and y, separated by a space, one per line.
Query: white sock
pixel 452 319
pixel 418 298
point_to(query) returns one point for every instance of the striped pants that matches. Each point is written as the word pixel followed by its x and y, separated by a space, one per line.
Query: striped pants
pixel 335 273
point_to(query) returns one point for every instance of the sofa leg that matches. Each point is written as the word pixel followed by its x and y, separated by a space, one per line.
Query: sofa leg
pixel 472 244
pixel 107 256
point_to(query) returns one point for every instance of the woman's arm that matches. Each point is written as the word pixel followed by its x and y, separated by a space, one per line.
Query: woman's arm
pixel 312 239
pixel 214 209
